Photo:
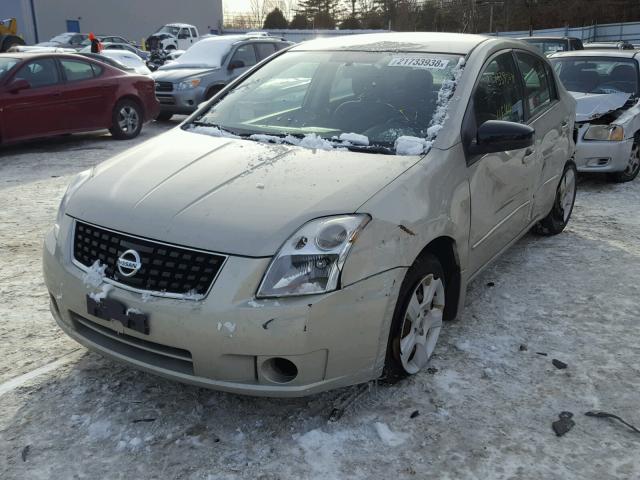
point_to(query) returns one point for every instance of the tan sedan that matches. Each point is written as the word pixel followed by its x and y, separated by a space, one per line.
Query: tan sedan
pixel 313 225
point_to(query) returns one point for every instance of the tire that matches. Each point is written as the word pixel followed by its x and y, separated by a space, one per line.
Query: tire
pixel 10 41
pixel 417 319
pixel 633 167
pixel 560 213
pixel 164 117
pixel 126 120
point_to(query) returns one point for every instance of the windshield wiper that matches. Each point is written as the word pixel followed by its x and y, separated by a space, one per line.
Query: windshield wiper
pixel 368 149
pixel 198 123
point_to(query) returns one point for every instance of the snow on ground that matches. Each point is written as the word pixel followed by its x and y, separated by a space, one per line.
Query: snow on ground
pixel 484 409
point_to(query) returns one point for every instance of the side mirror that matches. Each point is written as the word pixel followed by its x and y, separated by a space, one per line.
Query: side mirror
pixel 18 85
pixel 500 136
pixel 236 64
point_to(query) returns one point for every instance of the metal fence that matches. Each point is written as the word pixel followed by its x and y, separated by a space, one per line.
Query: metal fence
pixel 302 35
pixel 609 32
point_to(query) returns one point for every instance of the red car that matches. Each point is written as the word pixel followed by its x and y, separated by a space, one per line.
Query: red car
pixel 52 94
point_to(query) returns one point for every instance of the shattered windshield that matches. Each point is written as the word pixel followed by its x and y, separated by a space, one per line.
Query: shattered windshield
pixel 598 74
pixel 169 29
pixel 367 99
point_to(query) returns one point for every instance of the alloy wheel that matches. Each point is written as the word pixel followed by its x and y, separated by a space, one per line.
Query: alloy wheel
pixel 422 324
pixel 128 119
pixel 567 193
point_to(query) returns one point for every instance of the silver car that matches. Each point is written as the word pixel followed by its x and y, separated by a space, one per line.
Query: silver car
pixel 206 68
pixel 313 225
pixel 606 85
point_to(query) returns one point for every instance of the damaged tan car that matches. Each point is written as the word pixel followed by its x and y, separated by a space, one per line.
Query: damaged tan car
pixel 313 225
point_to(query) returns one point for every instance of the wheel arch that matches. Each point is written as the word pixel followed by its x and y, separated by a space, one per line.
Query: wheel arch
pixel 134 99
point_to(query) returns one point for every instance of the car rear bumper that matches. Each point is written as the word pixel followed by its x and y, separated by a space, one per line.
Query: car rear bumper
pixel 595 156
pixel 229 340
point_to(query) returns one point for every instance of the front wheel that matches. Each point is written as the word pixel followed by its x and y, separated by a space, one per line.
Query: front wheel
pixel 417 319
pixel 127 120
pixel 633 166
pixel 560 214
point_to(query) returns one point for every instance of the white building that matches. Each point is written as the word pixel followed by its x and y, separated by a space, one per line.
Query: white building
pixel 39 20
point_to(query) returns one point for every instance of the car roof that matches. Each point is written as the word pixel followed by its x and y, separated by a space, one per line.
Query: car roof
pixel 536 37
pixel 594 52
pixel 409 42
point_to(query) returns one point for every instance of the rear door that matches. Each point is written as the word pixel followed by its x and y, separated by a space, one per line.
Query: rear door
pixel 86 94
pixel 553 123
pixel 39 110
pixel 500 183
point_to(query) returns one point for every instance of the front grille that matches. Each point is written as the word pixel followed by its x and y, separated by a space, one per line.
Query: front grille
pixel 164 268
pixel 169 358
pixel 164 87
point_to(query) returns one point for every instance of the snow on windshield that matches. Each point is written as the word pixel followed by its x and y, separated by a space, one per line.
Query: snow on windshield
pixel 357 100
pixel 209 52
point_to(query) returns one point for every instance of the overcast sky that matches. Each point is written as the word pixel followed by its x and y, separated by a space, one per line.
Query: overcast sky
pixel 235 5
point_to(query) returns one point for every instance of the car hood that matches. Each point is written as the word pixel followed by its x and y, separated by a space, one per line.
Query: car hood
pixel 227 195
pixel 590 106
pixel 175 74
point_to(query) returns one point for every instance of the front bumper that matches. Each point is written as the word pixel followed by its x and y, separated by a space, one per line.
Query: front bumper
pixel 595 156
pixel 180 101
pixel 228 340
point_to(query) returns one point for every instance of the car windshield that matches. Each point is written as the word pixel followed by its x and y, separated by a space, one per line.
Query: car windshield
pixel 62 38
pixel 366 98
pixel 204 54
pixel 169 29
pixel 598 74
pixel 6 64
pixel 547 47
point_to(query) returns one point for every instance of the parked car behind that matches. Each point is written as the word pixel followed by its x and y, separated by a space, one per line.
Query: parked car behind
pixel 66 40
pixel 313 227
pixel 206 68
pixel 621 45
pixel 52 94
pixel 551 45
pixel 125 56
pixel 605 84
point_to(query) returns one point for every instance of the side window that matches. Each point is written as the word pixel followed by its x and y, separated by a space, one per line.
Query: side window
pixel 193 33
pixel 76 70
pixel 40 73
pixel 264 50
pixel 553 90
pixel 184 33
pixel 245 54
pixel 498 95
pixel 536 82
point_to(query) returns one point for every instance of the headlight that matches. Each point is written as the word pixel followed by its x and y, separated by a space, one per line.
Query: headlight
pixel 610 133
pixel 311 260
pixel 188 84
pixel 75 184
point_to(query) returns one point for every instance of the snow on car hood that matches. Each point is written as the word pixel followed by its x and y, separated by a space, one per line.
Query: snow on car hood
pixel 227 195
pixel 594 105
pixel 176 74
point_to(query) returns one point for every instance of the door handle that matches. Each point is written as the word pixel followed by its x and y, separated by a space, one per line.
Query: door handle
pixel 565 125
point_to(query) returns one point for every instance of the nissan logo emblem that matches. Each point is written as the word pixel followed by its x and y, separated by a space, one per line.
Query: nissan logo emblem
pixel 129 263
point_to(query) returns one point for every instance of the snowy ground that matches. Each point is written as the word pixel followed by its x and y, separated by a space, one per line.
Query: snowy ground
pixel 484 409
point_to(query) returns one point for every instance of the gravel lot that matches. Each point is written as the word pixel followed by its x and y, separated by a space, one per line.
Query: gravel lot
pixel 485 407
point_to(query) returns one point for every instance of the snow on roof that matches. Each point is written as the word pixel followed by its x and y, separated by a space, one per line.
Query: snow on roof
pixel 407 41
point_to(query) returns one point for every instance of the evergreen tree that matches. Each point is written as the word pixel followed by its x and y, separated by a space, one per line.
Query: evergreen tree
pixel 299 21
pixel 275 19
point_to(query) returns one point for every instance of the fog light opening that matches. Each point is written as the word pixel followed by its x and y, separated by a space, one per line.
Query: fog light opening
pixel 279 370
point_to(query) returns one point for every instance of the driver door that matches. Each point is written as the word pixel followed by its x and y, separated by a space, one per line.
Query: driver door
pixel 242 60
pixel 500 183
pixel 39 110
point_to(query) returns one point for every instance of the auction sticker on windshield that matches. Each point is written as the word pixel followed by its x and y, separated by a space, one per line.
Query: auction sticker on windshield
pixel 419 62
